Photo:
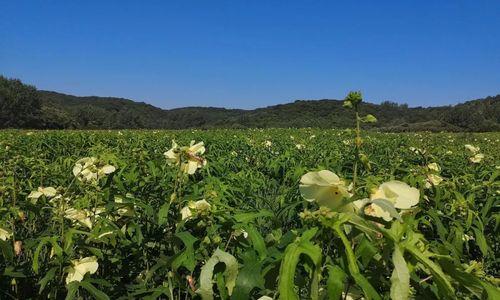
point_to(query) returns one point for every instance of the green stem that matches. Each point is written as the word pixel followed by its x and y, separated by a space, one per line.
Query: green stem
pixel 351 258
pixel 357 142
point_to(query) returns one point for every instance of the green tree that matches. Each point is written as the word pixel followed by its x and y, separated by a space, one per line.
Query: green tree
pixel 19 105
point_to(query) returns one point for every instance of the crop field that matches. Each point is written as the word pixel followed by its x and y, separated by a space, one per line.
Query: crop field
pixel 249 214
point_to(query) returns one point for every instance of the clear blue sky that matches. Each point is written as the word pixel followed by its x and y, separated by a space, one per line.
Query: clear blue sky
pixel 249 54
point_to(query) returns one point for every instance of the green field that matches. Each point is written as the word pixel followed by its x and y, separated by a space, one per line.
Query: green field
pixel 131 224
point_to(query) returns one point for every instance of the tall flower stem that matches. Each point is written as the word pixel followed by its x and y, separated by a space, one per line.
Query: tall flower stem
pixel 358 146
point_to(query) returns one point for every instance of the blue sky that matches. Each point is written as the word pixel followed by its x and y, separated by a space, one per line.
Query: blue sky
pixel 248 54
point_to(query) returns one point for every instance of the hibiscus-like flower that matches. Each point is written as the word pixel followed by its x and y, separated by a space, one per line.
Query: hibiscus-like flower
pixel 472 149
pixel 5 234
pixel 398 193
pixel 433 180
pixel 477 158
pixel 80 267
pixel 434 167
pixel 325 188
pixel 198 207
pixel 90 169
pixel 189 158
pixel 82 216
pixel 48 192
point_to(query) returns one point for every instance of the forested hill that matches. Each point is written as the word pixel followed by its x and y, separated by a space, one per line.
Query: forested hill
pixel 22 106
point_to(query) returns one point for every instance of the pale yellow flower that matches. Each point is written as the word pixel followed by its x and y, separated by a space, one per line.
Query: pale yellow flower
pixel 434 167
pixel 5 234
pixel 472 149
pixel 194 159
pixel 48 192
pixel 300 146
pixel 477 158
pixel 173 155
pixel 80 216
pixel 401 195
pixel 325 188
pixel 89 169
pixel 433 179
pixel 201 206
pixel 192 154
pixel 80 267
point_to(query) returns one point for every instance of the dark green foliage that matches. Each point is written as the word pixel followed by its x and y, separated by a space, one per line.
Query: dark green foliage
pixel 59 111
pixel 19 104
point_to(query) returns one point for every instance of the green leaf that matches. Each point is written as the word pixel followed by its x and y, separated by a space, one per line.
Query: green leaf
pixel 257 241
pixel 7 251
pixel 302 245
pixel 444 285
pixel 72 290
pixel 249 216
pixel 98 294
pixel 492 291
pixel 335 283
pixel 249 277
pixel 46 279
pixel 400 279
pixel 231 273
pixel 481 241
pixel 36 255
pixel 185 258
pixel 163 213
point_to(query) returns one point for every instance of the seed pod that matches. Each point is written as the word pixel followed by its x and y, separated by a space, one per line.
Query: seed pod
pixel 18 247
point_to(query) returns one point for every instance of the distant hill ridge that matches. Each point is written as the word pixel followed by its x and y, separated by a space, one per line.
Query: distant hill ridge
pixel 46 109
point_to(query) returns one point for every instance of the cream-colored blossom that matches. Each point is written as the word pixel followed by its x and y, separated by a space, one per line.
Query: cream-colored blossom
pixel 81 216
pixel 48 192
pixel 433 180
pixel 80 267
pixel 89 169
pixel 477 158
pixel 201 206
pixel 325 188
pixel 434 167
pixel 192 155
pixel 5 234
pixel 472 149
pixel 173 155
pixel 401 195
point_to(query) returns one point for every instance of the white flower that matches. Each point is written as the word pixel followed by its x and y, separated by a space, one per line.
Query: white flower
pixel 300 146
pixel 472 149
pixel 201 206
pixel 186 213
pixel 194 159
pixel 434 167
pixel 268 143
pixel 477 158
pixel 48 192
pixel 192 154
pixel 5 234
pixel 80 216
pixel 324 187
pixel 89 169
pixel 433 179
pixel 173 155
pixel 401 195
pixel 80 267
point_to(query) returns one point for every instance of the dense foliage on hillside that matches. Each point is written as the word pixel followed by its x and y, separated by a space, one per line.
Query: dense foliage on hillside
pixel 24 107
